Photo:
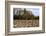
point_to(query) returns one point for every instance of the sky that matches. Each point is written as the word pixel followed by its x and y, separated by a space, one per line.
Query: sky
pixel 35 11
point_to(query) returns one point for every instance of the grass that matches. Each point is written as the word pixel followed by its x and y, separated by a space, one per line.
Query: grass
pixel 26 23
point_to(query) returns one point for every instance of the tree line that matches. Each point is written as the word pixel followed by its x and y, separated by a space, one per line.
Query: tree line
pixel 25 16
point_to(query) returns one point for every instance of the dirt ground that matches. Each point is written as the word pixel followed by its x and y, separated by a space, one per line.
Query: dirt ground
pixel 26 23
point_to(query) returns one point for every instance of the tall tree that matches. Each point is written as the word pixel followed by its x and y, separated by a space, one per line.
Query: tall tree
pixel 24 10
